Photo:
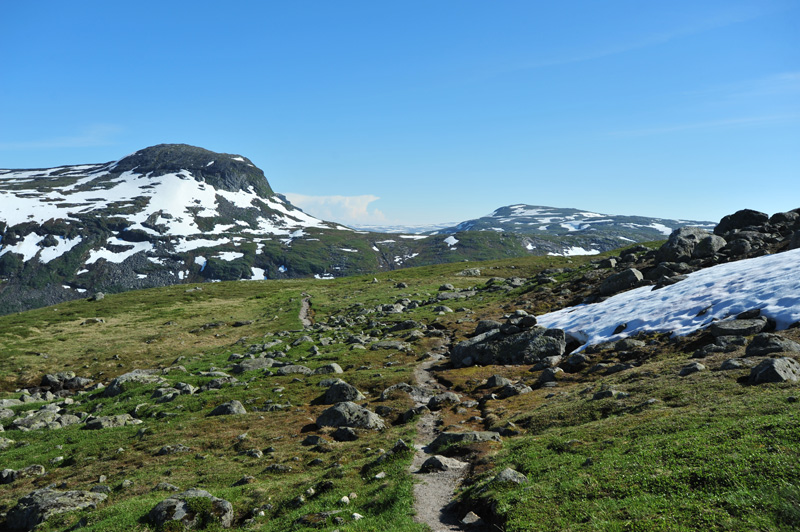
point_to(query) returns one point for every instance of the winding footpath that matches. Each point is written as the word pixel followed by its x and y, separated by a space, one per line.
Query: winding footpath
pixel 434 491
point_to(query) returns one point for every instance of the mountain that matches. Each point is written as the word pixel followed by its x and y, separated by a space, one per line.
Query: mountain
pixel 581 231
pixel 175 213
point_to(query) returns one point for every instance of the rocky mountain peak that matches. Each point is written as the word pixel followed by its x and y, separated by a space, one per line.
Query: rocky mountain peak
pixel 221 170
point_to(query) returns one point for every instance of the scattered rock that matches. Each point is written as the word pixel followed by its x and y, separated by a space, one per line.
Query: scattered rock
pixel 767 343
pixel 782 369
pixel 349 414
pixel 694 367
pixel 38 506
pixel 194 508
pixel 229 408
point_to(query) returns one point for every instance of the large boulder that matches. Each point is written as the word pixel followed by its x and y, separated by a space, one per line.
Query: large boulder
pixel 137 376
pixel 766 343
pixel 227 409
pixel 38 506
pixel 448 438
pixel 621 281
pixel 341 392
pixel 782 369
pixel 349 414
pixel 252 364
pixel 194 508
pixel 708 246
pixel 680 244
pixel 492 347
pixel 740 220
pixel 107 422
pixel 738 327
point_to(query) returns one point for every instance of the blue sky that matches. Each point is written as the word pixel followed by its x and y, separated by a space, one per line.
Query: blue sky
pixel 419 112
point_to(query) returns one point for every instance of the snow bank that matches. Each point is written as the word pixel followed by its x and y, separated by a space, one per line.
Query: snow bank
pixel 770 283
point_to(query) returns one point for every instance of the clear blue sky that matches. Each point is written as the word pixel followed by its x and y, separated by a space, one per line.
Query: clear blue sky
pixel 425 111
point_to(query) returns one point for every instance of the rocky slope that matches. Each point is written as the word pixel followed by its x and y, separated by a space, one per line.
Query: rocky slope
pixel 176 409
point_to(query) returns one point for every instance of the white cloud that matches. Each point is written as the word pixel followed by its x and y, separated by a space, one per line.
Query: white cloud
pixel 342 209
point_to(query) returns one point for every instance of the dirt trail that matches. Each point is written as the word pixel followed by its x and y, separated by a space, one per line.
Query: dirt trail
pixel 305 311
pixel 433 493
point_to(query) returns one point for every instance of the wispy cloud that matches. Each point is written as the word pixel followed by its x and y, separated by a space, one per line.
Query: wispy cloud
pixel 725 18
pixel 342 209
pixel 727 123
pixel 781 84
pixel 94 135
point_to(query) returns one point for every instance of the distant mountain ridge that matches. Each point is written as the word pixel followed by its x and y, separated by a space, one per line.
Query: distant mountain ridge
pixel 174 213
pixel 593 232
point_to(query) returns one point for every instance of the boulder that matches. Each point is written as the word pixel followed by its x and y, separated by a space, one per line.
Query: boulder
pixel 106 422
pixel 349 414
pixel 688 369
pixel 194 508
pixel 38 506
pixel 137 376
pixel 328 369
pixel 492 347
pixel 449 438
pixel 229 408
pixel 441 463
pixel 621 281
pixel 738 327
pixel 252 364
pixel 708 247
pixel 495 381
pixel 293 369
pixel 341 392
pixel 782 369
pixel 439 401
pixel 766 343
pixel 680 244
pixel 509 475
pixel 740 220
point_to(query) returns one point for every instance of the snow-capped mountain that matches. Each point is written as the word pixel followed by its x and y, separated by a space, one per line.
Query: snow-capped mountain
pixel 174 213
pixel 582 232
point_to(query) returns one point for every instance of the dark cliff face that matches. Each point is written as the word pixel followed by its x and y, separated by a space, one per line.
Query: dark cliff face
pixel 227 172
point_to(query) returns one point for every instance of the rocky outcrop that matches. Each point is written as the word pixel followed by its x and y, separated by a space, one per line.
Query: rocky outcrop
pixel 193 509
pixel 349 414
pixel 494 347
pixel 38 506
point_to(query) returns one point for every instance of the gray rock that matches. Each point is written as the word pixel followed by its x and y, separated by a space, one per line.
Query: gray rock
pixel 738 327
pixel 106 422
pixel 341 392
pixel 766 343
pixel 736 363
pixel 349 414
pixel 510 390
pixel 621 281
pixel 417 394
pixel 173 449
pixel 390 344
pixel 694 367
pixel 252 364
pixel 229 408
pixel 441 463
pixel 293 369
pixel 782 369
pixel 495 381
pixel 739 247
pixel 137 376
pixel 680 244
pixel 708 247
pixel 492 347
pixel 449 438
pixel 628 344
pixel 740 220
pixel 439 401
pixel 328 369
pixel 509 475
pixel 180 508
pixel 40 505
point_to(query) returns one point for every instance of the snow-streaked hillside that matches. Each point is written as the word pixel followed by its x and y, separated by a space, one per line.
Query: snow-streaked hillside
pixel 582 232
pixel 770 283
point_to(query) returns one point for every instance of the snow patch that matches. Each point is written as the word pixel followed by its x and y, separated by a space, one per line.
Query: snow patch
pixel 451 241
pixel 770 283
